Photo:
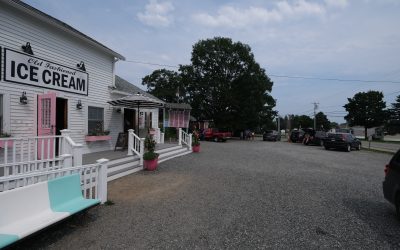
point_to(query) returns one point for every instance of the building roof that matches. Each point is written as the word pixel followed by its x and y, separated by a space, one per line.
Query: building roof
pixel 178 106
pixel 127 87
pixel 61 25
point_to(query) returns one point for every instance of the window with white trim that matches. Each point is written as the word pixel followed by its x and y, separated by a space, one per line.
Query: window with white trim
pixel 95 120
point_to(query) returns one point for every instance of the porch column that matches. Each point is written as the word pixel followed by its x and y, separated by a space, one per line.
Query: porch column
pixel 180 136
pixel 130 141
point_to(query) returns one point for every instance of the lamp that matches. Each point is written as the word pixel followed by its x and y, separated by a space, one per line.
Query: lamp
pixel 27 48
pixel 23 99
pixel 79 105
pixel 81 66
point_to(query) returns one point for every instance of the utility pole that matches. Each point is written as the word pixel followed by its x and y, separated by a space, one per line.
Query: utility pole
pixel 315 111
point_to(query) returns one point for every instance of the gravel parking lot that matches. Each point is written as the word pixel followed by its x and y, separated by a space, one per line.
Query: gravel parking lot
pixel 241 195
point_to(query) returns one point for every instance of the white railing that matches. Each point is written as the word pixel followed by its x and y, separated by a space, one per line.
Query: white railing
pixel 21 155
pixel 135 145
pixel 185 138
pixel 93 179
pixel 72 148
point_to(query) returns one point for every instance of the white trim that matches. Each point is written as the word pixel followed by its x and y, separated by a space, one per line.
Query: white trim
pixel 6 112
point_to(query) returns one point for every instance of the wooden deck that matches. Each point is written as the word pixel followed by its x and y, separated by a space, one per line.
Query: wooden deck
pixel 113 155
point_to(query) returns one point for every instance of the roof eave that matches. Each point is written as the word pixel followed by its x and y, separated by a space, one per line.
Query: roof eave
pixel 61 25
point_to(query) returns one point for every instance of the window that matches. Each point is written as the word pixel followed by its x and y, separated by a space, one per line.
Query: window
pixel 1 115
pixel 95 120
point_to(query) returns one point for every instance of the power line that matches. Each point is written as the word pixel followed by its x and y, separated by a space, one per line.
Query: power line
pixel 281 76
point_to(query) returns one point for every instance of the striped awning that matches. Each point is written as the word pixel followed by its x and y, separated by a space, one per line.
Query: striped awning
pixel 137 101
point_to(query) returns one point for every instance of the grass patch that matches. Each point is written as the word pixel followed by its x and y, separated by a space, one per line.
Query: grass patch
pixel 378 151
pixel 378 141
pixel 109 203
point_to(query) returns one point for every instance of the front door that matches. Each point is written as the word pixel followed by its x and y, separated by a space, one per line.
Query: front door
pixel 129 119
pixel 46 124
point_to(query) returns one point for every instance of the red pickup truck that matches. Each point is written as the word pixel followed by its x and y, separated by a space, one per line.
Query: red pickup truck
pixel 215 135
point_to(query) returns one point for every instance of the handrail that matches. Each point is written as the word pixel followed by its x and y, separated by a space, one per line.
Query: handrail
pixel 185 138
pixel 135 145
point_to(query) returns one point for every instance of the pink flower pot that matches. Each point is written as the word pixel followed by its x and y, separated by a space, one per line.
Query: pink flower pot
pixel 196 149
pixel 150 165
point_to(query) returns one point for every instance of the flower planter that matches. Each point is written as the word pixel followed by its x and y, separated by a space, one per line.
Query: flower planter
pixel 91 138
pixel 150 165
pixel 9 144
pixel 196 148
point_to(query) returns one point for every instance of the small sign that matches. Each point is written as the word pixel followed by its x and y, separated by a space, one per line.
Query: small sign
pixel 27 69
pixel 122 141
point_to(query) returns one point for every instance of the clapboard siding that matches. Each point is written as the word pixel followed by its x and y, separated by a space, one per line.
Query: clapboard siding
pixel 57 46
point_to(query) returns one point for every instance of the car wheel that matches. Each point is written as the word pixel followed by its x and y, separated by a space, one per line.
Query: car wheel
pixel 348 149
pixel 321 143
pixel 397 204
pixel 216 139
pixel 359 146
pixel 326 148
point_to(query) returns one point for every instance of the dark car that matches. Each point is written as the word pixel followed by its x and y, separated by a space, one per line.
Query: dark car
pixel 297 136
pixel 312 137
pixel 271 135
pixel 391 184
pixel 345 141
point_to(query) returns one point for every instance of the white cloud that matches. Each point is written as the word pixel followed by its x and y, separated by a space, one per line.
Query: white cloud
pixel 157 14
pixel 233 17
pixel 337 3
pixel 228 16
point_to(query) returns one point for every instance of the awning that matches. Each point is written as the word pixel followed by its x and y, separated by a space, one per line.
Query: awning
pixel 137 101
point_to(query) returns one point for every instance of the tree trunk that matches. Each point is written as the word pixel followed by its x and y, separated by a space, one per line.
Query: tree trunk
pixel 366 133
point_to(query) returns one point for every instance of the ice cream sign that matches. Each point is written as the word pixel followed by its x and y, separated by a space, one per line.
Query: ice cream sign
pixel 26 69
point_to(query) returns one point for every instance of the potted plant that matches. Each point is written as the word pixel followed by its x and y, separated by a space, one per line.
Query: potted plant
pixel 196 142
pixel 150 158
pixel 3 142
pixel 98 134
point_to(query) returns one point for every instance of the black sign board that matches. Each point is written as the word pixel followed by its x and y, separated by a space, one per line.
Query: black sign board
pixel 122 141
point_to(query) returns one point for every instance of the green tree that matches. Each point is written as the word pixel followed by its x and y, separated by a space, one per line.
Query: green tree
pixel 226 84
pixel 394 111
pixel 334 125
pixel 302 121
pixel 393 125
pixel 164 84
pixel 366 109
pixel 322 122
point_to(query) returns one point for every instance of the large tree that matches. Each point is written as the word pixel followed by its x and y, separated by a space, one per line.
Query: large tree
pixel 302 121
pixel 322 121
pixel 366 109
pixel 226 84
pixel 164 84
pixel 393 125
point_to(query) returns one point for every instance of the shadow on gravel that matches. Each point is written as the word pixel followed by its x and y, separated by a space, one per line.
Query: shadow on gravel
pixel 380 216
pixel 52 234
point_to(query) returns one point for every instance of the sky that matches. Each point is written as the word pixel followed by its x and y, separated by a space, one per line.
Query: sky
pixel 313 40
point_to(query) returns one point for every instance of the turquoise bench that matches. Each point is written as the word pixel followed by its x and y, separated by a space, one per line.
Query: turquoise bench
pixel 28 209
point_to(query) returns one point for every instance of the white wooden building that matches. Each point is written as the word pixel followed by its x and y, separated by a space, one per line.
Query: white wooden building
pixel 53 76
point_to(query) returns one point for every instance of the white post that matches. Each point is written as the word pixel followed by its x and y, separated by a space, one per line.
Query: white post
pixel 130 141
pixel 102 180
pixel 158 133
pixel 77 155
pixel 69 147
pixel 141 151
pixel 180 136
pixel 190 142
pixel 162 137
pixel 66 147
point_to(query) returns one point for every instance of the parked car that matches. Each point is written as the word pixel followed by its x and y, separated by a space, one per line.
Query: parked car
pixel 271 135
pixel 216 135
pixel 312 137
pixel 345 141
pixel 391 184
pixel 297 135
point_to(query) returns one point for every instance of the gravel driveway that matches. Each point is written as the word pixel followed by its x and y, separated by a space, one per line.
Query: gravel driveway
pixel 241 195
